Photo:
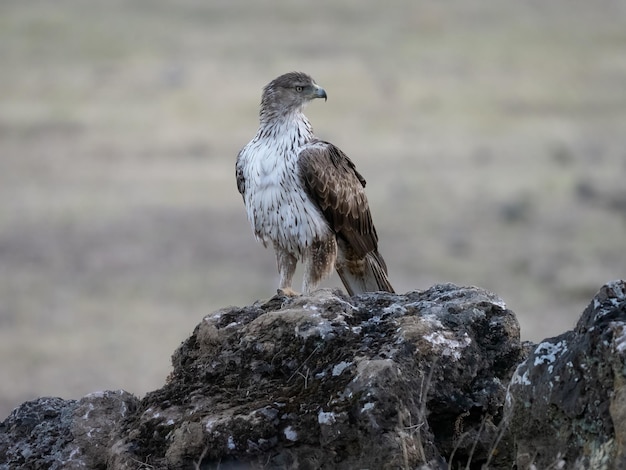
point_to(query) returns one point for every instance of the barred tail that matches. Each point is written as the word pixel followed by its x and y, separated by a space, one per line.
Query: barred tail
pixel 367 274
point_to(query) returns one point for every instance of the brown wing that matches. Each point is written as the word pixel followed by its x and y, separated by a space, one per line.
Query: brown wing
pixel 241 182
pixel 333 184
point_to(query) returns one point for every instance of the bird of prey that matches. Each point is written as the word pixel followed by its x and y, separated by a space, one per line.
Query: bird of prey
pixel 305 197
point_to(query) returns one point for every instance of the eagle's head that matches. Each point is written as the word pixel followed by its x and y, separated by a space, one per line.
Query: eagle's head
pixel 290 92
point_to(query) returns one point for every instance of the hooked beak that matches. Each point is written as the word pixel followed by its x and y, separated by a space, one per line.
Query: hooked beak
pixel 320 93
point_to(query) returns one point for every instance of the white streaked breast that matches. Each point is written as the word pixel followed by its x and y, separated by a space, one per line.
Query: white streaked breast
pixel 277 207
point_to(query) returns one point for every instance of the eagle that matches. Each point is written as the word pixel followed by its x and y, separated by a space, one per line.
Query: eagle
pixel 305 197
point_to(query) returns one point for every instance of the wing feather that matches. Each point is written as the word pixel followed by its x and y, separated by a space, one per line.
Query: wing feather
pixel 241 182
pixel 337 188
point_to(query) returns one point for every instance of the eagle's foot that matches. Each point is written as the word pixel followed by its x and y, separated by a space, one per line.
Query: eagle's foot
pixel 288 292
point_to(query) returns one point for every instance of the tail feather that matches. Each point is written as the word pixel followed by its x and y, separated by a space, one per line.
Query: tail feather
pixel 368 274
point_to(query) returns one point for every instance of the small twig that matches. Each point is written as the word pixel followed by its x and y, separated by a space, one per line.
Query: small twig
pixel 502 428
pixel 201 458
pixel 303 363
pixel 305 377
pixel 456 447
pixel 480 430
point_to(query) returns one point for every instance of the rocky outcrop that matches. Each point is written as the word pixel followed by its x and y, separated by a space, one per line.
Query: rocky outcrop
pixel 51 433
pixel 378 381
pixel 431 379
pixel 566 405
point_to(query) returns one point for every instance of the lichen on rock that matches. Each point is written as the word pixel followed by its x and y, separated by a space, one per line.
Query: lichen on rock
pixel 378 380
pixel 566 402
pixel 429 379
pixel 51 433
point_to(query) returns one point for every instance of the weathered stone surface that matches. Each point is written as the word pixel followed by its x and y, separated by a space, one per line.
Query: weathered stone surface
pixel 567 400
pixel 376 381
pixel 37 433
pixel 432 379
pixel 51 433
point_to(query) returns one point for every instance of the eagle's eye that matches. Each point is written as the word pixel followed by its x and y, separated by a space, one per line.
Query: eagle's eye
pixel 299 88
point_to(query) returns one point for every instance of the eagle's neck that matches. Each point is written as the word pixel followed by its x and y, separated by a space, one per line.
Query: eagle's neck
pixel 291 126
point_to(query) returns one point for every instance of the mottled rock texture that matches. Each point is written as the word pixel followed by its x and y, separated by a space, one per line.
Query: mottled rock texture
pixel 51 433
pixel 567 400
pixel 376 381
pixel 429 379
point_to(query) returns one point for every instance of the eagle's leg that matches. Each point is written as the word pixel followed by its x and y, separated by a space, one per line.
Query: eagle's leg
pixel 286 263
pixel 319 261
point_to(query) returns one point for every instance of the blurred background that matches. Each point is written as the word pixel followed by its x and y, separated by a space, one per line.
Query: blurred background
pixel 492 136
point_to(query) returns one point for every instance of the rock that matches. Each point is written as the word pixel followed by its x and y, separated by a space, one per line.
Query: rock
pixel 38 433
pixel 567 400
pixel 51 433
pixel 431 379
pixel 327 381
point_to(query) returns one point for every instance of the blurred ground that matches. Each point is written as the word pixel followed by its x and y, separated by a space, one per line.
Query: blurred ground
pixel 492 136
